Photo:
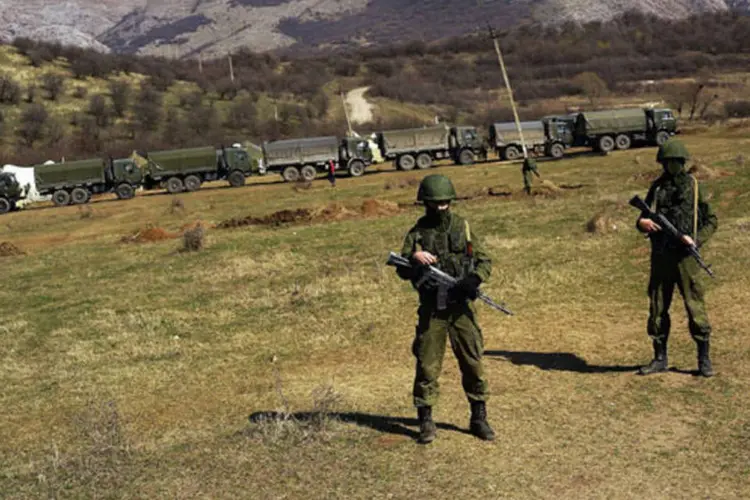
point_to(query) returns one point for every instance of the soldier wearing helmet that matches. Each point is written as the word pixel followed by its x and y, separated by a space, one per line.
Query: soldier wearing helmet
pixel 445 240
pixel 677 196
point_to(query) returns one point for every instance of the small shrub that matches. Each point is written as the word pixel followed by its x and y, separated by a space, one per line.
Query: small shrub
pixel 193 239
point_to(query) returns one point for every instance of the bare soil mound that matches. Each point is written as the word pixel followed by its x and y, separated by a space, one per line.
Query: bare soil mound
pixel 374 208
pixel 8 249
pixel 149 235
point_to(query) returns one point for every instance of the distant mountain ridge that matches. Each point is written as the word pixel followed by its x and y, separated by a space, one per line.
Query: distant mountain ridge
pixel 212 27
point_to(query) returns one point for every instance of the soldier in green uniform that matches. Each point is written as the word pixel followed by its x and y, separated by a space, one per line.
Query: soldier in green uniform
pixel 678 197
pixel 528 169
pixel 445 240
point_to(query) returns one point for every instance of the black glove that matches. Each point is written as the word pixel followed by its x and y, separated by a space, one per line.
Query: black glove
pixel 467 288
pixel 406 273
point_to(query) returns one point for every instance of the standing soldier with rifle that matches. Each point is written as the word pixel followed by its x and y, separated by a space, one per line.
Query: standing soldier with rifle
pixel 675 261
pixel 444 240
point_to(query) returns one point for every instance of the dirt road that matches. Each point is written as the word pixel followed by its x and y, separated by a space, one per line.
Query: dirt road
pixel 360 111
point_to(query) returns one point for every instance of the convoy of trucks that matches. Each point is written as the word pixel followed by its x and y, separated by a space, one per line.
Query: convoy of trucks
pixel 181 170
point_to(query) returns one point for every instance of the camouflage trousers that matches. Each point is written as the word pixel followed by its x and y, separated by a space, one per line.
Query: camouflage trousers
pixel 457 324
pixel 528 178
pixel 667 273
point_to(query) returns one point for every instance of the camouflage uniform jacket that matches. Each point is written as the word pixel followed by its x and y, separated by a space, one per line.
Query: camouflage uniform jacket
pixel 674 197
pixel 456 246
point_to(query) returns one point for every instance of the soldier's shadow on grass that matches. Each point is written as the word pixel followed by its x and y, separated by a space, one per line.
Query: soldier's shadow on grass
pixel 400 426
pixel 558 361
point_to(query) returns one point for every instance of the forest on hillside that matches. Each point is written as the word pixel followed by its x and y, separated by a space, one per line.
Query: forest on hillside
pixel 151 102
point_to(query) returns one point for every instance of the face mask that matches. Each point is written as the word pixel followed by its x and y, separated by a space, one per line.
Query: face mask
pixel 673 167
pixel 439 215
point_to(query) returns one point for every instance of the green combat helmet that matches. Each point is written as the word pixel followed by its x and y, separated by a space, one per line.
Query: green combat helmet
pixel 436 188
pixel 672 149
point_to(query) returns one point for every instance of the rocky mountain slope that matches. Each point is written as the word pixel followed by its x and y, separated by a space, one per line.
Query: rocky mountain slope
pixel 184 28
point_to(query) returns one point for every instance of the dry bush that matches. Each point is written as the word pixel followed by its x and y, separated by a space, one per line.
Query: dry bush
pixel 177 206
pixel 601 223
pixel 85 212
pixel 8 249
pixel 100 464
pixel 739 161
pixel 193 240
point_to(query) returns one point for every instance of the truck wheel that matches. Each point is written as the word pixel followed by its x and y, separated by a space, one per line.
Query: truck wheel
pixel 557 150
pixel 290 174
pixel 406 162
pixel 5 206
pixel 662 136
pixel 424 161
pixel 356 168
pixel 125 191
pixel 79 196
pixel 175 185
pixel 606 144
pixel 465 157
pixel 236 179
pixel 511 153
pixel 623 141
pixel 308 173
pixel 192 183
pixel 61 198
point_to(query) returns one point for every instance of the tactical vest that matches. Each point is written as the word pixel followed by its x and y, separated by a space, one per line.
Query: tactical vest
pixel 678 202
pixel 452 247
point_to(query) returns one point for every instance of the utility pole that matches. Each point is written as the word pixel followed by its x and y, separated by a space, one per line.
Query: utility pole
pixel 495 41
pixel 200 63
pixel 231 68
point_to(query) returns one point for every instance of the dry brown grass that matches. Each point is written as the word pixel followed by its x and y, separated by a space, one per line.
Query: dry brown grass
pixel 164 355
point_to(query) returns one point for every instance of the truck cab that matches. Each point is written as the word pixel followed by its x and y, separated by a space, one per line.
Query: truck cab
pixel 126 170
pixel 355 154
pixel 466 142
pixel 10 192
pixel 235 158
pixel 662 124
pixel 558 133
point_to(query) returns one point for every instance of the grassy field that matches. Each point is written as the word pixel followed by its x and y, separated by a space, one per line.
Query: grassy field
pixel 130 370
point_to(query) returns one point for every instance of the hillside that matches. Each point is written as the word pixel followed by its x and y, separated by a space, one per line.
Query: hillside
pixel 213 27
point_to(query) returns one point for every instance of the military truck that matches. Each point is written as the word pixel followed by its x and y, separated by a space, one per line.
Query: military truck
pixel 420 147
pixel 10 192
pixel 505 139
pixel 619 128
pixel 304 159
pixel 74 182
pixel 180 170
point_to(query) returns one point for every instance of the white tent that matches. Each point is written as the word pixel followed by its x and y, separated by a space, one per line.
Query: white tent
pixel 25 177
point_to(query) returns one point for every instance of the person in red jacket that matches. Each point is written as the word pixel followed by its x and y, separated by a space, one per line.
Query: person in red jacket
pixel 332 173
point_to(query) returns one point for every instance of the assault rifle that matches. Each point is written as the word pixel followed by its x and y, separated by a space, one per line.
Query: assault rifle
pixel 672 231
pixel 444 282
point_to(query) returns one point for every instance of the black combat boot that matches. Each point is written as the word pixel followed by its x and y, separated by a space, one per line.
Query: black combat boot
pixel 704 361
pixel 427 429
pixel 659 363
pixel 478 424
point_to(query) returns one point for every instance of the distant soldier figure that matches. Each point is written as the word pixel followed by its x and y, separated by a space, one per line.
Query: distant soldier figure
pixel 528 168
pixel 444 240
pixel 332 173
pixel 678 197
